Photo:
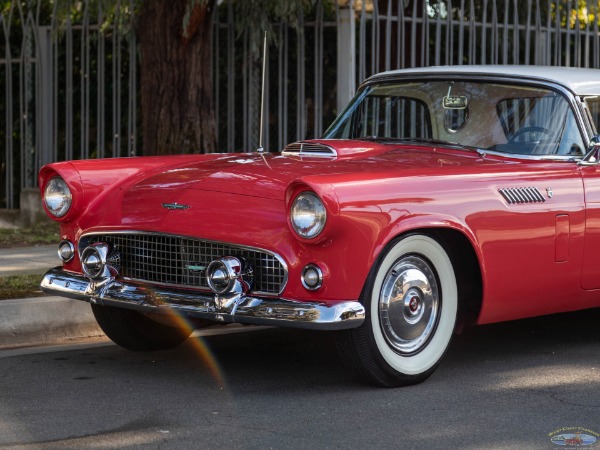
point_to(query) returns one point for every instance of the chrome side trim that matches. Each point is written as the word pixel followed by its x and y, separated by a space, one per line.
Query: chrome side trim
pixel 236 308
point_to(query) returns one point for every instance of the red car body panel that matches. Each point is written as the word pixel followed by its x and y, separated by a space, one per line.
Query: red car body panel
pixel 530 255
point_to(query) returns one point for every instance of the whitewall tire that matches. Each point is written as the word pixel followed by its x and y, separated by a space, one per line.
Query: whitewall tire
pixel 411 301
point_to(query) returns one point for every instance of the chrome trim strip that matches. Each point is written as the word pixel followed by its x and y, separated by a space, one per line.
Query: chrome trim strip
pixel 179 236
pixel 235 308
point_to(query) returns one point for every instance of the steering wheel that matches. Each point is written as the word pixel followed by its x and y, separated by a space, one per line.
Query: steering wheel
pixel 524 130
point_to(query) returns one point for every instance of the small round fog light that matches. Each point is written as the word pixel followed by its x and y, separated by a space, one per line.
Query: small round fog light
pixel 312 277
pixel 66 251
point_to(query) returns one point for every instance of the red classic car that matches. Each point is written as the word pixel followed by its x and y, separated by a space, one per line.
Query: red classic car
pixel 440 198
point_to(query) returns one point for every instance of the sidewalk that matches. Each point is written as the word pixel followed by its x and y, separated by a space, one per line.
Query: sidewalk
pixel 42 320
pixel 22 260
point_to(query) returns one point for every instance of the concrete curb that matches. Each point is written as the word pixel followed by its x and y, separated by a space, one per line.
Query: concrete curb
pixel 45 320
pixel 42 320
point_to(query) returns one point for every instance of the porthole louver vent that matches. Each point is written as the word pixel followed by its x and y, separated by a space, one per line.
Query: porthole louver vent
pixel 310 149
pixel 522 195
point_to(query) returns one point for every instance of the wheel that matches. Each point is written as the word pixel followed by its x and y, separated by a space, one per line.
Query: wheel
pixel 134 331
pixel 411 304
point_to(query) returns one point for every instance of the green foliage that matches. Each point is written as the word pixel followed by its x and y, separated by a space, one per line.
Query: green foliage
pixel 260 13
pixel 249 13
pixel 43 232
pixel 110 14
pixel 258 16
pixel 569 13
pixel 580 16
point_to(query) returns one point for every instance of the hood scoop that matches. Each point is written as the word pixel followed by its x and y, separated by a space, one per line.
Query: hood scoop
pixel 309 149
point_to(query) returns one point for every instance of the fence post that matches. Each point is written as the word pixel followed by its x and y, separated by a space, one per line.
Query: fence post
pixel 45 96
pixel 346 56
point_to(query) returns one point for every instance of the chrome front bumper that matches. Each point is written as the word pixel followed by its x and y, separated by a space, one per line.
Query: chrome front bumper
pixel 233 308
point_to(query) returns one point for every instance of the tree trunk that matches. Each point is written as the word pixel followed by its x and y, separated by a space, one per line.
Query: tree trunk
pixel 176 77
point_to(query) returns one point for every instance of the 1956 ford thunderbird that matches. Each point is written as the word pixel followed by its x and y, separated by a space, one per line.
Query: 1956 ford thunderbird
pixel 440 198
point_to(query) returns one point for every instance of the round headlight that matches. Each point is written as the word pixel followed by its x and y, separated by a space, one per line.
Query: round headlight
pixel 57 197
pixel 308 215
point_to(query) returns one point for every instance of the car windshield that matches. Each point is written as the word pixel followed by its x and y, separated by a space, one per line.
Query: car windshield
pixel 507 118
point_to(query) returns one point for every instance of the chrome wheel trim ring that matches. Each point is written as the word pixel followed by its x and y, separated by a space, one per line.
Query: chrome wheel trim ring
pixel 409 305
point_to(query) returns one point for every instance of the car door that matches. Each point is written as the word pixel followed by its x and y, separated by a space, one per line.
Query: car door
pixel 590 172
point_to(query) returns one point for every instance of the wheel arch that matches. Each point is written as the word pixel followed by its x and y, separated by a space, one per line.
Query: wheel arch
pixel 465 261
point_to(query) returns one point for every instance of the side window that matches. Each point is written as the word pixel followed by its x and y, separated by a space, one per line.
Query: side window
pixel 393 117
pixel 593 104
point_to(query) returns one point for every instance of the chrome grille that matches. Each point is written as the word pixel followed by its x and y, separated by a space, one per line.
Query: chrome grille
pixel 176 260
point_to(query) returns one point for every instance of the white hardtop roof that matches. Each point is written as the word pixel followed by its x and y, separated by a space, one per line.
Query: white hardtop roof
pixel 580 81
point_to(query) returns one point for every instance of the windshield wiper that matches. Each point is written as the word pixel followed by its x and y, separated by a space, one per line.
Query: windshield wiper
pixel 431 141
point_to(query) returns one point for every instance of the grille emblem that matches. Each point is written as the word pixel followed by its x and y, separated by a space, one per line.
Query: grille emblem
pixel 172 206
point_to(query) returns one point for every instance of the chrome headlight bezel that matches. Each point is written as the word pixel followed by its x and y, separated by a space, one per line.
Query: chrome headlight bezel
pixel 57 197
pixel 308 215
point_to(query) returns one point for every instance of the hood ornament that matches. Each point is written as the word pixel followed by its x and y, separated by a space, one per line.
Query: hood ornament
pixel 172 206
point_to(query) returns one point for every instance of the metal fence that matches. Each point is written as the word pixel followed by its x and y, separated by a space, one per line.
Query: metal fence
pixel 70 75
pixel 69 78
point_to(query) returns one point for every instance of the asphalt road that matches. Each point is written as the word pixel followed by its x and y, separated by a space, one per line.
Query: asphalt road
pixel 506 386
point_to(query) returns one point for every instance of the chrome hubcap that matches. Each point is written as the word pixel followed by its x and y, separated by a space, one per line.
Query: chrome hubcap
pixel 409 304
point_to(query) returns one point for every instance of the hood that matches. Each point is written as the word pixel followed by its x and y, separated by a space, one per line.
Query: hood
pixel 272 176
pixel 269 175
pixel 142 189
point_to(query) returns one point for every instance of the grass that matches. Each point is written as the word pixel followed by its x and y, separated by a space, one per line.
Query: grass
pixel 42 233
pixel 25 286
pixel 20 286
